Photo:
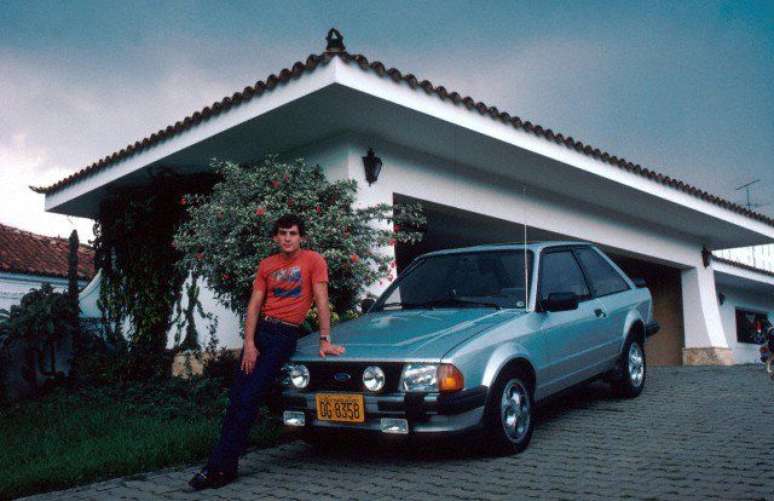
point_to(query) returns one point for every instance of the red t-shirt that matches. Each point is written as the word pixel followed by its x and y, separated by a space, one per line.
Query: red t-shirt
pixel 288 284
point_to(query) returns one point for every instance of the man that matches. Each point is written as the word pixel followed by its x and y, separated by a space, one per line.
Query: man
pixel 284 287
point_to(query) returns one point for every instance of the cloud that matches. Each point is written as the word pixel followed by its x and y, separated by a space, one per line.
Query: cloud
pixel 20 207
pixel 57 119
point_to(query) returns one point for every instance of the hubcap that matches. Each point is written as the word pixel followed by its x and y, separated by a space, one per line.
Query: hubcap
pixel 515 413
pixel 636 365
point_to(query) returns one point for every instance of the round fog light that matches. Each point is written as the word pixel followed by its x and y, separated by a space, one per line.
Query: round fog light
pixel 373 378
pixel 299 376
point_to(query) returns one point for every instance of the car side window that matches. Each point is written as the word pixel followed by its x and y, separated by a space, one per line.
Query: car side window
pixel 560 273
pixel 603 277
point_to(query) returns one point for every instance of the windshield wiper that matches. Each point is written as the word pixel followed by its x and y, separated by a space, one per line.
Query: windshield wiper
pixel 448 301
pixel 456 301
pixel 403 305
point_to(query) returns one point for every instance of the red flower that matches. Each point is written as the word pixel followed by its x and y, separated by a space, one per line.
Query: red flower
pixel 286 177
pixel 392 264
pixel 318 209
pixel 392 242
pixel 199 256
pixel 183 201
pixel 354 258
pixel 396 228
pixel 260 211
pixel 275 183
pixel 226 276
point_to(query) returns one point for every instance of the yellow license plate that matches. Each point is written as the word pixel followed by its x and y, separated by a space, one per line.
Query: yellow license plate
pixel 342 407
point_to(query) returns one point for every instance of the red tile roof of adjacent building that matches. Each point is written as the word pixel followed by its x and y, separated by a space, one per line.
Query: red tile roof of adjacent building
pixel 337 49
pixel 32 254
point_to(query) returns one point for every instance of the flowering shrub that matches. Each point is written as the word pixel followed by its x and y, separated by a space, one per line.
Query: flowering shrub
pixel 228 232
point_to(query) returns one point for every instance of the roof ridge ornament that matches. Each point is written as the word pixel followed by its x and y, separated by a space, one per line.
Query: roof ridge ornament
pixel 335 41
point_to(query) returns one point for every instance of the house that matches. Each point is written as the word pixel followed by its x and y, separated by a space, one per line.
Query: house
pixel 27 261
pixel 483 175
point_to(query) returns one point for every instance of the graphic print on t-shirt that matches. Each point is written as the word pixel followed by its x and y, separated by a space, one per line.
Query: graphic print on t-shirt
pixel 287 282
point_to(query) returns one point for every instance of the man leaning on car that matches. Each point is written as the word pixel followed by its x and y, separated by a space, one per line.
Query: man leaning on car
pixel 285 285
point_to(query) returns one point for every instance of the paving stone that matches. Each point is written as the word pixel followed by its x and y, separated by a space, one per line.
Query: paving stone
pixel 695 432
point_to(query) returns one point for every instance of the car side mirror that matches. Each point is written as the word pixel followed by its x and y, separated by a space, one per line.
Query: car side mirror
pixel 366 304
pixel 639 282
pixel 561 301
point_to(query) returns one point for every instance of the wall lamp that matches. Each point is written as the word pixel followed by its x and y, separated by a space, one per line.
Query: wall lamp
pixel 373 166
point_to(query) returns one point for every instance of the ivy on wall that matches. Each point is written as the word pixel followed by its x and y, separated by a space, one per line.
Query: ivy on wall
pixel 141 282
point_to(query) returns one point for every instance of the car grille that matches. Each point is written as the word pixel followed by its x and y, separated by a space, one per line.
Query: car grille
pixel 323 376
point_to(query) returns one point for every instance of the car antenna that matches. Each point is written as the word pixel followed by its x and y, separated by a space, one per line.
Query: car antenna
pixel 526 265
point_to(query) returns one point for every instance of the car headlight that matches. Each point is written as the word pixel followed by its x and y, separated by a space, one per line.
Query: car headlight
pixel 431 377
pixel 296 375
pixel 419 377
pixel 373 378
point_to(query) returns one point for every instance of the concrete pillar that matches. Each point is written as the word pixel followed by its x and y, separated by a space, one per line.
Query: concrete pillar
pixel 705 340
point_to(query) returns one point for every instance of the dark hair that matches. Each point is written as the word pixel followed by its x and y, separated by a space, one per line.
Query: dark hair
pixel 288 221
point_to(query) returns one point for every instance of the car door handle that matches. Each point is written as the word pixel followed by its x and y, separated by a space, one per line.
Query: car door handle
pixel 600 313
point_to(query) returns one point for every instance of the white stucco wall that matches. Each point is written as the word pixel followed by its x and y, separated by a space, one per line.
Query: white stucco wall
pixel 759 256
pixel 736 298
pixel 13 286
pixel 229 329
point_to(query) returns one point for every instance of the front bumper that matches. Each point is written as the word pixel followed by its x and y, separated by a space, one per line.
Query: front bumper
pixel 426 413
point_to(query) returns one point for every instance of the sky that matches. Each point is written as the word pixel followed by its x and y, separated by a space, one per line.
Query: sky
pixel 680 87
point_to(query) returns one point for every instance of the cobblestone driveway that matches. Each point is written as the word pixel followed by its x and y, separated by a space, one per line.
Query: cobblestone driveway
pixel 701 432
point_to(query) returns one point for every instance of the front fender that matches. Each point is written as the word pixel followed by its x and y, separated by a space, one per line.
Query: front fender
pixel 501 357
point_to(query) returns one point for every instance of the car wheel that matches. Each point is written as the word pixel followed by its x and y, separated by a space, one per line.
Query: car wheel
pixel 631 370
pixel 509 416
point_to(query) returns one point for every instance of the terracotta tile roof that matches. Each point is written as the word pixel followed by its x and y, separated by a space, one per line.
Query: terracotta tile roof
pixel 338 50
pixel 29 253
pixel 742 266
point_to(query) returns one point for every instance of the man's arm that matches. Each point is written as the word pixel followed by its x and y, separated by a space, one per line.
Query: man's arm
pixel 250 352
pixel 320 290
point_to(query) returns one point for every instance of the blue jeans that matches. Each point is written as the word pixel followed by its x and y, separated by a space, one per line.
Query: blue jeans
pixel 275 343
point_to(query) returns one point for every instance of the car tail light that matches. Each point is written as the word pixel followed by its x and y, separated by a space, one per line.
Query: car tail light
pixel 449 378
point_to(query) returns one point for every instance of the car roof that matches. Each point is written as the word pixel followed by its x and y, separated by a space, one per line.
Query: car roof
pixel 532 246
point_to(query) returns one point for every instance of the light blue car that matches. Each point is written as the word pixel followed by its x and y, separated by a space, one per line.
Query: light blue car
pixel 470 339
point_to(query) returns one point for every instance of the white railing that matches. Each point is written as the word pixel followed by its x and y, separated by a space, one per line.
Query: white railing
pixel 760 256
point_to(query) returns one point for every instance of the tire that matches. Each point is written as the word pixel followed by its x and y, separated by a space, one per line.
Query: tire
pixel 631 370
pixel 509 417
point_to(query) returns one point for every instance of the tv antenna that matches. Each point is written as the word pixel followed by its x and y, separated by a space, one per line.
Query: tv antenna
pixel 749 204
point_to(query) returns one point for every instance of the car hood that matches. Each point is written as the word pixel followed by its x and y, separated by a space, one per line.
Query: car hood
pixel 406 334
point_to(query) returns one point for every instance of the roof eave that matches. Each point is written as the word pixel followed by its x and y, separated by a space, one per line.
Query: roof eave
pixel 404 90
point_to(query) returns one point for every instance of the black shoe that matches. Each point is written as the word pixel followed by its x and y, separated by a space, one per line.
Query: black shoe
pixel 211 480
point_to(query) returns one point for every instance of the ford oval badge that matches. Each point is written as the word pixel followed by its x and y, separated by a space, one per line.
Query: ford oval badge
pixel 342 377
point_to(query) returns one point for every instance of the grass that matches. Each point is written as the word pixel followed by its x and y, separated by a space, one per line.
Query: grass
pixel 67 438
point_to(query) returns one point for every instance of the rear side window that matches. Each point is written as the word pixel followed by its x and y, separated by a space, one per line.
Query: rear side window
pixel 560 273
pixel 604 279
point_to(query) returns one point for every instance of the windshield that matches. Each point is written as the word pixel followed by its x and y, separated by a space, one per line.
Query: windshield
pixel 493 279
